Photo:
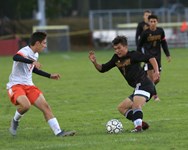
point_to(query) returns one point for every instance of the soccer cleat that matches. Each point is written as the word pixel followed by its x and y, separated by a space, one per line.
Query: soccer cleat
pixel 13 127
pixel 145 125
pixel 66 133
pixel 137 129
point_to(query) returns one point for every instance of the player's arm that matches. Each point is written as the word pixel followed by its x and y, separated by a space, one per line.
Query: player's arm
pixel 154 64
pixel 165 47
pixel 37 65
pixel 41 73
pixel 22 59
pixel 94 61
pixel 45 74
pixel 138 32
pixel 101 67
pixel 141 42
pixel 140 57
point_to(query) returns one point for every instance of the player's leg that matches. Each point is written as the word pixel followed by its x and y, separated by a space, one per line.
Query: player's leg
pixel 142 94
pixel 42 105
pixel 23 104
pixel 18 98
pixel 125 108
pixel 23 107
pixel 138 102
pixel 37 99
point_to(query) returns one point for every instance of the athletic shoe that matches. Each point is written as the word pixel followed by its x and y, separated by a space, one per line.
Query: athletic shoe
pixel 66 133
pixel 137 129
pixel 145 125
pixel 13 127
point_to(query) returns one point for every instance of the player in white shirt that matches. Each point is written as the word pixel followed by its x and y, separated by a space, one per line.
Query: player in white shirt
pixel 22 72
pixel 21 90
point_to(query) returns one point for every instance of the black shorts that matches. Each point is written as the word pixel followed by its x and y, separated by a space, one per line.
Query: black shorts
pixel 148 66
pixel 145 89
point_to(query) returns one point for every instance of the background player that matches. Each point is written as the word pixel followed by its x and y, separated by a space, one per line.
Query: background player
pixel 142 26
pixel 151 40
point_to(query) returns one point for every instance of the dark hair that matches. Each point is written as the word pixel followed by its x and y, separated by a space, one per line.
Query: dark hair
pixel 147 11
pixel 37 36
pixel 120 39
pixel 152 17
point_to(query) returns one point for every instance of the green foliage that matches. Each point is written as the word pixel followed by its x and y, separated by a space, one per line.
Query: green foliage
pixel 84 100
pixel 21 9
pixel 24 10
pixel 58 8
pixel 18 9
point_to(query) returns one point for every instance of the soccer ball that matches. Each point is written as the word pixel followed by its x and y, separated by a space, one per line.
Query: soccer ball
pixel 114 126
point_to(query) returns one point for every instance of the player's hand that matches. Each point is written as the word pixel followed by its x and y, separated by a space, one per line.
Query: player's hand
pixel 92 56
pixel 156 76
pixel 36 64
pixel 55 76
pixel 168 58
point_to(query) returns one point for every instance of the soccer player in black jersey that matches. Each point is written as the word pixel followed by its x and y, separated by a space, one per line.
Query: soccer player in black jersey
pixel 151 40
pixel 142 26
pixel 128 63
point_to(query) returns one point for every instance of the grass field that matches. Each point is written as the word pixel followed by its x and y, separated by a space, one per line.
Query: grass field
pixel 84 100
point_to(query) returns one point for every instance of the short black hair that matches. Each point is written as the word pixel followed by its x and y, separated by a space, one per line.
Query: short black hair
pixel 120 39
pixel 152 17
pixel 147 11
pixel 37 36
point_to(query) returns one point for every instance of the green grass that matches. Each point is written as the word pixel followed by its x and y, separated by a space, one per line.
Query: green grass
pixel 84 100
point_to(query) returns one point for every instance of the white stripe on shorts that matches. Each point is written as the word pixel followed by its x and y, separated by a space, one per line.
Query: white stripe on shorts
pixel 141 92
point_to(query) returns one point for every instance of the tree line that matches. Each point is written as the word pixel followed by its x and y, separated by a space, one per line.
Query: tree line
pixel 22 9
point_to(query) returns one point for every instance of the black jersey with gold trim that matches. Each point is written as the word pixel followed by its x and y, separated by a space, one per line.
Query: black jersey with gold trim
pixel 142 26
pixel 152 41
pixel 129 66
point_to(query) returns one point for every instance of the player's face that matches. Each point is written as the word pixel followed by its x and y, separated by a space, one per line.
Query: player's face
pixel 41 46
pixel 146 14
pixel 120 50
pixel 153 23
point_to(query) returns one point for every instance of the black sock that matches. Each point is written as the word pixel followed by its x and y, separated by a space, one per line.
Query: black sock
pixel 129 114
pixel 137 114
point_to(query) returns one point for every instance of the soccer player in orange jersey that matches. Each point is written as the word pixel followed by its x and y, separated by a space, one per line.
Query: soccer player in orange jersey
pixel 21 90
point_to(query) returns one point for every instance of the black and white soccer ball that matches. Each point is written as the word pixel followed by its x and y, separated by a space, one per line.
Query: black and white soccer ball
pixel 114 126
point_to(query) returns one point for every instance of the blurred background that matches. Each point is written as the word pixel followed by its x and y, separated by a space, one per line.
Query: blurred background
pixel 78 25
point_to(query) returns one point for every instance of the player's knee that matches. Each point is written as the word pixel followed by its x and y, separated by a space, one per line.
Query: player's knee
pixel 26 107
pixel 136 106
pixel 121 109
